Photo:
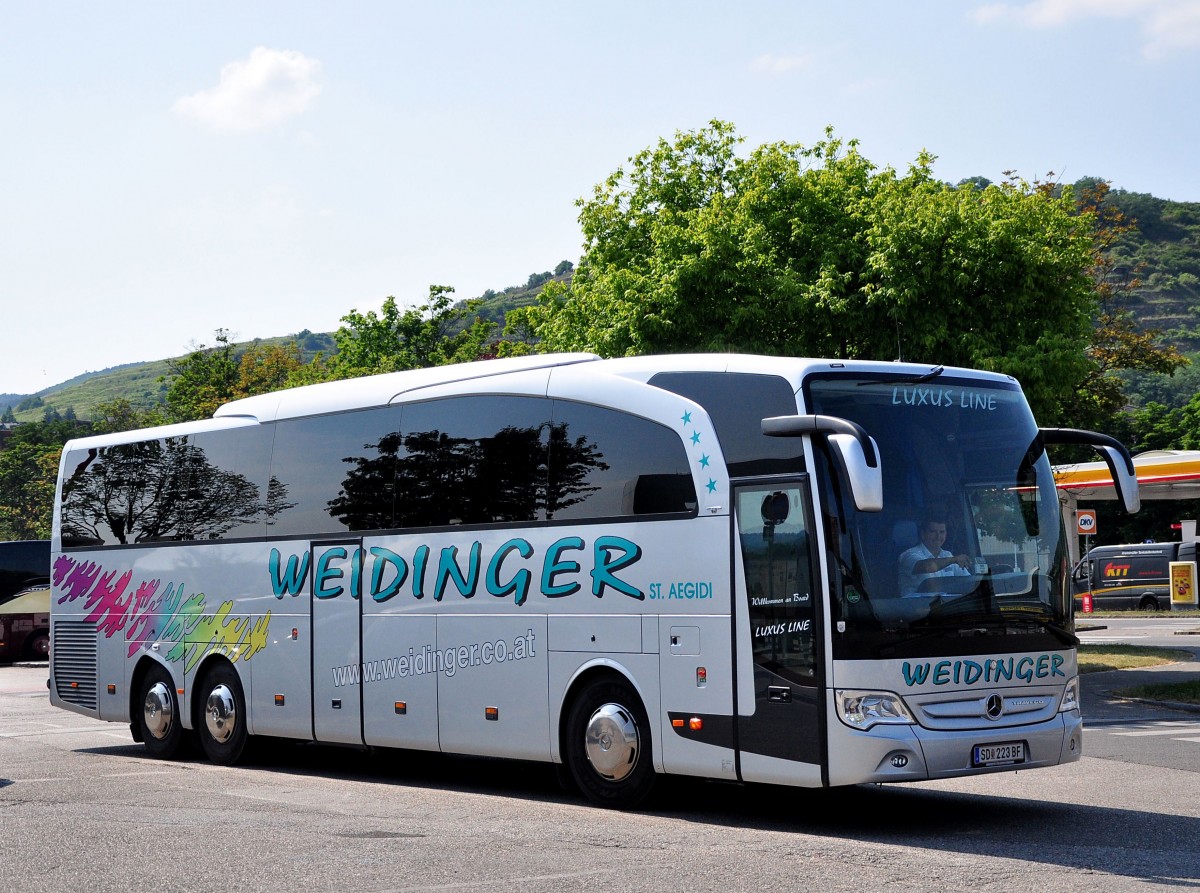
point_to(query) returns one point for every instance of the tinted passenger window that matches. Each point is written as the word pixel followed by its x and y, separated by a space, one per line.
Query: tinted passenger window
pixel 334 474
pixel 229 493
pixel 737 402
pixel 606 464
pixel 472 460
pixel 129 493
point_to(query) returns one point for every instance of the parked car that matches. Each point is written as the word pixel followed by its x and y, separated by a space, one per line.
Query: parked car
pixel 24 600
pixel 1129 577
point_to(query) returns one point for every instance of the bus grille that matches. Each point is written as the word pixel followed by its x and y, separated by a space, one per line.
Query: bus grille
pixel 73 653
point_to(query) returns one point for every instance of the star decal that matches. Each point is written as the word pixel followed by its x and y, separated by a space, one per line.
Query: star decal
pixel 704 461
pixel 695 437
pixel 687 417
pixel 712 486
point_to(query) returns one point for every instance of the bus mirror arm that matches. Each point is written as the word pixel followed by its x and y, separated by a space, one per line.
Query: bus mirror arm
pixel 853 447
pixel 1115 455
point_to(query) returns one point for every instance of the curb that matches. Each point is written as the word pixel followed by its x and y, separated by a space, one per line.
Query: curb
pixel 1150 702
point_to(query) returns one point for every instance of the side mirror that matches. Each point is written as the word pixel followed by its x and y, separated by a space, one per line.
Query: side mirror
pixel 775 508
pixel 855 451
pixel 1115 455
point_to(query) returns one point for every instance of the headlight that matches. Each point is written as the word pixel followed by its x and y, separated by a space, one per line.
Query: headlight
pixel 863 709
pixel 1070 698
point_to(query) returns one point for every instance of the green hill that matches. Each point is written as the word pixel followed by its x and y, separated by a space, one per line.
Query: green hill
pixel 142 384
pixel 1164 253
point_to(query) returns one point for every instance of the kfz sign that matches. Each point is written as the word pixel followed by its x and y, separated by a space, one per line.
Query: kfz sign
pixel 1085 521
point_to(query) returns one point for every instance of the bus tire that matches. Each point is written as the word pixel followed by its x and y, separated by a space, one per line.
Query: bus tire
pixel 608 746
pixel 158 719
pixel 37 646
pixel 221 715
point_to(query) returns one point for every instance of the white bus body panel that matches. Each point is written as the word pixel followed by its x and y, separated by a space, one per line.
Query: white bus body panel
pixel 476 677
pixel 279 696
pixel 400 694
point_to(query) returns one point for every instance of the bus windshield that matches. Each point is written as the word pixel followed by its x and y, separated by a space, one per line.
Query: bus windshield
pixel 969 548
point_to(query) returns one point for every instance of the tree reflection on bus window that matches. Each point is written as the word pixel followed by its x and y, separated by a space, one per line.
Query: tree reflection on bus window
pixel 154 491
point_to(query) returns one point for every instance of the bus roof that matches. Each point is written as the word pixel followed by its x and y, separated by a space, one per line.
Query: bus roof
pixel 379 390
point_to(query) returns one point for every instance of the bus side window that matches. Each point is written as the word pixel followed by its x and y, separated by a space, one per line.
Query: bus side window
pixel 478 459
pixel 606 464
pixel 333 473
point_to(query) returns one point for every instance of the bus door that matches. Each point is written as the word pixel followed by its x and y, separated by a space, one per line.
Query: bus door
pixel 337 640
pixel 780 725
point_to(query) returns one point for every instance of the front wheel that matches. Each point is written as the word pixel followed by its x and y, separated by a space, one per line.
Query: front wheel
pixel 221 723
pixel 158 721
pixel 608 746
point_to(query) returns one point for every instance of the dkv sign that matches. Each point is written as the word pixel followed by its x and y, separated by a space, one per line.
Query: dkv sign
pixel 1085 521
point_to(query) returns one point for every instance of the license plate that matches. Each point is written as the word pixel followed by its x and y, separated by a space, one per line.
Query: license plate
pixel 998 754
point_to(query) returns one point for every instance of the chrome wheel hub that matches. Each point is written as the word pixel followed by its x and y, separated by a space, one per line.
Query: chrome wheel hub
pixel 220 714
pixel 611 742
pixel 158 712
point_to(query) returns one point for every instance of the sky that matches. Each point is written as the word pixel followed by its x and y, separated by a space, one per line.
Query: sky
pixel 168 170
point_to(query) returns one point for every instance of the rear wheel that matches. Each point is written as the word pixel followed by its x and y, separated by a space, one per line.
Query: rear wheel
pixel 158 720
pixel 1148 603
pixel 608 747
pixel 221 723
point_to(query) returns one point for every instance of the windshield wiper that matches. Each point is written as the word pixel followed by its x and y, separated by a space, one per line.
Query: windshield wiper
pixel 916 379
pixel 1065 636
pixel 967 622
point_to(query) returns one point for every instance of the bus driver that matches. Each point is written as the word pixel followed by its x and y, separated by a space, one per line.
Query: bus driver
pixel 927 560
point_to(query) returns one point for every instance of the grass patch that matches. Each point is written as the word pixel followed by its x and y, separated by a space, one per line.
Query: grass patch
pixel 1179 692
pixel 1096 658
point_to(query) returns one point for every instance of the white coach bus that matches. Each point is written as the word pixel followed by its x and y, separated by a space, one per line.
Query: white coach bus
pixel 633 567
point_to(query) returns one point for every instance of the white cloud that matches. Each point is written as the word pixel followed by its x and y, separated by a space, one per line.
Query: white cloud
pixel 1175 27
pixel 263 90
pixel 1165 25
pixel 776 65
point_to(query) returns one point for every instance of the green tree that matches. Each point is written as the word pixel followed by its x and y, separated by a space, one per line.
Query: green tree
pixel 211 376
pixel 265 368
pixel 203 380
pixel 432 334
pixel 813 251
pixel 1119 345
pixel 28 474
pixel 121 414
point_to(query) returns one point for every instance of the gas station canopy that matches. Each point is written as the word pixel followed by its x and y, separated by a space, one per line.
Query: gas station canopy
pixel 1161 474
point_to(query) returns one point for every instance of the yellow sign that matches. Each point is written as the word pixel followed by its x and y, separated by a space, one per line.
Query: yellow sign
pixel 1183 583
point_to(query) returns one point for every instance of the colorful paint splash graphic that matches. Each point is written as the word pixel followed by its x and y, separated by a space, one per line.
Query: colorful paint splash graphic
pixel 152 612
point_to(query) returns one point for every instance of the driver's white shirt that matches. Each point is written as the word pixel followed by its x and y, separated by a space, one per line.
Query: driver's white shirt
pixel 910 582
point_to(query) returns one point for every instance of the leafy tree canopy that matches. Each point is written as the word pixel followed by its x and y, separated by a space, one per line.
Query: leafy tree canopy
pixel 814 251
pixel 435 333
pixel 28 473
